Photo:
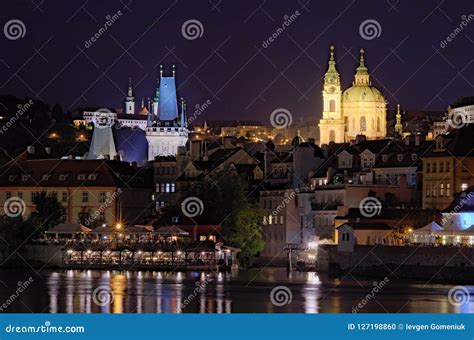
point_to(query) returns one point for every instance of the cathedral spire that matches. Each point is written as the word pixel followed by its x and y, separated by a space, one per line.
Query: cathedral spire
pixel 130 88
pixel 398 124
pixel 130 100
pixel 332 76
pixel 183 113
pixel 362 74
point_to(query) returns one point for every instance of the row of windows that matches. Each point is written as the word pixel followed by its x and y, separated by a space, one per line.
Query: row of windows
pixel 437 167
pixel 45 177
pixel 166 170
pixel 440 190
pixel 274 236
pixel 64 196
pixel 270 219
pixel 165 187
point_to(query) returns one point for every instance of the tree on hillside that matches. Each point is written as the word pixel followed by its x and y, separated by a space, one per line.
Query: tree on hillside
pixel 48 211
pixel 14 233
pixel 225 202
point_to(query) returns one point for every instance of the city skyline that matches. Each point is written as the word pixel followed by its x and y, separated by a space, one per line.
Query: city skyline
pixel 408 51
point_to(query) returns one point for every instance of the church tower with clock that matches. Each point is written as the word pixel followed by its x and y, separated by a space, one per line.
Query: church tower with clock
pixel 332 125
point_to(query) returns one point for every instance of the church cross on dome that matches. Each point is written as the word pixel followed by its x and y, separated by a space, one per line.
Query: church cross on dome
pixel 362 74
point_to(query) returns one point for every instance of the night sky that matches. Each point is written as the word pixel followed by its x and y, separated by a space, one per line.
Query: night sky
pixel 228 64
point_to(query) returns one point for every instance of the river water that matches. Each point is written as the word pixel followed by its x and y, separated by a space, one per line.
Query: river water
pixel 95 291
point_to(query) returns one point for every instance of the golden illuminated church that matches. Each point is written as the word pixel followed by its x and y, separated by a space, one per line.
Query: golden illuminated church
pixel 359 110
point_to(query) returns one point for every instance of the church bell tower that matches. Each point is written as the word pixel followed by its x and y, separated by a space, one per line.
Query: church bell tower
pixel 331 126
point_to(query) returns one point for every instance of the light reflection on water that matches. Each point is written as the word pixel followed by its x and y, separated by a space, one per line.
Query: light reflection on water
pixel 72 291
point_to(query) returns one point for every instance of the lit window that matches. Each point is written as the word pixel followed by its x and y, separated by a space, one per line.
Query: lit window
pixel 202 238
pixel 464 187
pixel 168 187
pixel 162 187
pixel 448 189
pixel 441 190
pixel 173 187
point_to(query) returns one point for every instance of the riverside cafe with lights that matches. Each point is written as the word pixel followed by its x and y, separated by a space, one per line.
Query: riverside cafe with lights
pixel 435 235
pixel 142 247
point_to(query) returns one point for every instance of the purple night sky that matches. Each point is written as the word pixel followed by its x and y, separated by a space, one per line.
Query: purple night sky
pixel 228 64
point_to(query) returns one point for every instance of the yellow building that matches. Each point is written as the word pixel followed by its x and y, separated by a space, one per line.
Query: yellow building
pixel 359 110
pixel 105 191
pixel 448 168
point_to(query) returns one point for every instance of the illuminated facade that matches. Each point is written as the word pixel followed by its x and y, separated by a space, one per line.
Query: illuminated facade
pixel 359 110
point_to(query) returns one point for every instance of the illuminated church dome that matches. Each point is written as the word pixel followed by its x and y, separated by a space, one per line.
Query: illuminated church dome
pixel 359 110
pixel 362 89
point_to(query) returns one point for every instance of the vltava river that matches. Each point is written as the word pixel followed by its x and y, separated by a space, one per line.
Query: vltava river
pixel 94 291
